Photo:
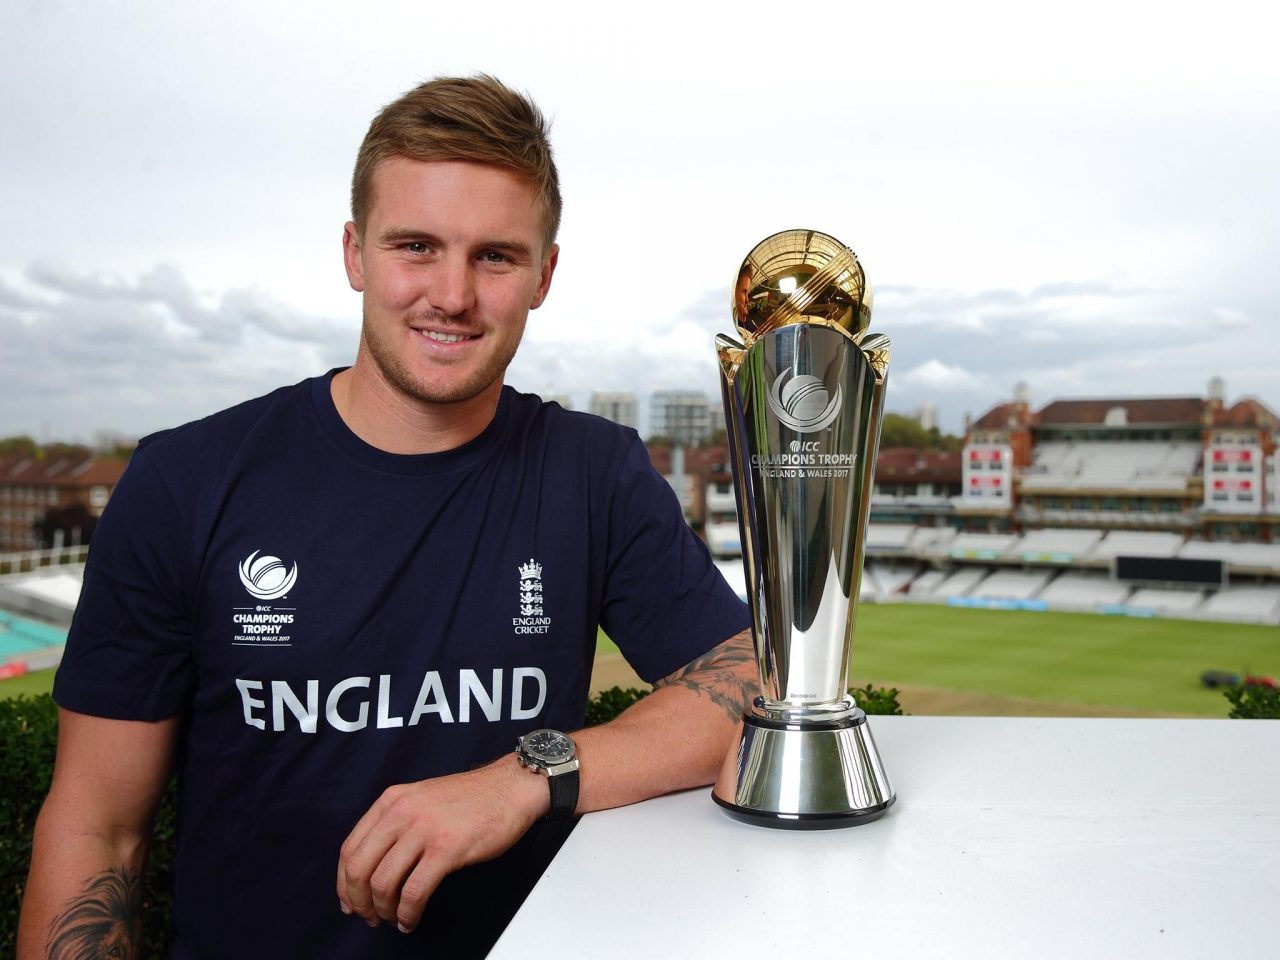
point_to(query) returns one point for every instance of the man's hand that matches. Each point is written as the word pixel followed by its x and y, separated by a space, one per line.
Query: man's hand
pixel 416 833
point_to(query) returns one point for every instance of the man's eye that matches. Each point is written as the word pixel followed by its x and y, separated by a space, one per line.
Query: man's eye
pixel 415 246
pixel 493 256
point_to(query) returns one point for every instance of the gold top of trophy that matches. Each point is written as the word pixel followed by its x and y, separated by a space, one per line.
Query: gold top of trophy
pixel 801 276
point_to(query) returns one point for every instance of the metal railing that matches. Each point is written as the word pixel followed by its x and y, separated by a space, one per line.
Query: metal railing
pixel 26 561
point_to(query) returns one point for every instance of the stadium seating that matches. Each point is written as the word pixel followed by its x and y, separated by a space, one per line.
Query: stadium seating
pixel 20 636
pixel 923 586
pixel 1165 602
pixel 1060 546
pixel 982 546
pixel 1137 543
pixel 1248 556
pixel 960 583
pixel 49 594
pixel 1111 465
pixel 1082 591
pixel 1245 604
pixel 932 541
pixel 888 537
pixel 889 581
pixel 1011 585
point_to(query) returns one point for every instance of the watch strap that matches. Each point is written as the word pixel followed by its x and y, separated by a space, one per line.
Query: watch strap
pixel 564 795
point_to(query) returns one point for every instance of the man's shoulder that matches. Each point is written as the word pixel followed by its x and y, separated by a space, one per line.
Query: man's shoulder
pixel 571 426
pixel 220 434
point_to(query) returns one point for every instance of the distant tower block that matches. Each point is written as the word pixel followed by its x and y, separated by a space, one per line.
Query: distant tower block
pixel 927 415
pixel 1218 389
pixel 683 416
pixel 620 407
pixel 1022 393
pixel 563 399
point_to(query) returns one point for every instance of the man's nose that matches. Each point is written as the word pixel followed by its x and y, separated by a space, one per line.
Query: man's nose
pixel 452 286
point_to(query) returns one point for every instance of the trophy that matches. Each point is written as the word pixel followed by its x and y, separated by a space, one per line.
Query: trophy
pixel 803 399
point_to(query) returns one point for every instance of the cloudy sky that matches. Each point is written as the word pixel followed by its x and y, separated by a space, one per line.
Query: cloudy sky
pixel 1082 196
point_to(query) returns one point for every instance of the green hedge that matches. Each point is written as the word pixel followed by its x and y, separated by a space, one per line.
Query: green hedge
pixel 1253 701
pixel 28 736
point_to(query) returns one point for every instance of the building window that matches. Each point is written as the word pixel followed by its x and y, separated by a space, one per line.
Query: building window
pixel 98 497
pixel 1109 503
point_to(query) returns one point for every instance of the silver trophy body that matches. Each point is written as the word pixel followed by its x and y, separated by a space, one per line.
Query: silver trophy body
pixel 803 396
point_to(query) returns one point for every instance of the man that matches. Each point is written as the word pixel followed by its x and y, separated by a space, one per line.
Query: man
pixel 337 607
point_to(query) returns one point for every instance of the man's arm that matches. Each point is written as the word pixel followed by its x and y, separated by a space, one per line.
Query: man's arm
pixel 84 891
pixel 417 833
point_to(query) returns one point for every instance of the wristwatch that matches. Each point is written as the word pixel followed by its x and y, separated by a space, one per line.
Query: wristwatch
pixel 552 754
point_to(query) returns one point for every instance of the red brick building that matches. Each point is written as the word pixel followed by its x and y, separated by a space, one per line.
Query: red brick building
pixel 32 486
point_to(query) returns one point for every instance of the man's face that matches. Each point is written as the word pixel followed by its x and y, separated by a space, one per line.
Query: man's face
pixel 740 291
pixel 451 261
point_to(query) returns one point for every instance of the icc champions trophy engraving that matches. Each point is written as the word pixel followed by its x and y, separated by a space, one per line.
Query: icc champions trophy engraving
pixel 803 398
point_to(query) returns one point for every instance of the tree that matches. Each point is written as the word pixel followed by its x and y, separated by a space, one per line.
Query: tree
pixel 901 431
pixel 75 521
pixel 18 447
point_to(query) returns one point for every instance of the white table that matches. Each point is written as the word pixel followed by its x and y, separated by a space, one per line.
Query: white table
pixel 1011 838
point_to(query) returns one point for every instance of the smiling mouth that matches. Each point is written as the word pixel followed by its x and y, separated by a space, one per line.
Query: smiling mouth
pixel 439 337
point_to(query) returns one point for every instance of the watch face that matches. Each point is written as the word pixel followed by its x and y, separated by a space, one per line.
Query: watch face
pixel 549 746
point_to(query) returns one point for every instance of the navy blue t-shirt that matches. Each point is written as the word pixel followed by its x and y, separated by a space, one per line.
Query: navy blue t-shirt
pixel 331 619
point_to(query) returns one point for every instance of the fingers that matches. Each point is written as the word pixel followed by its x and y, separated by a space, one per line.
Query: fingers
pixel 359 859
pixel 415 834
pixel 361 854
pixel 388 877
pixel 385 870
pixel 417 890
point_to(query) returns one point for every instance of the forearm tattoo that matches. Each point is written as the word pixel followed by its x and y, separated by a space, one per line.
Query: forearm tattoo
pixel 727 675
pixel 104 922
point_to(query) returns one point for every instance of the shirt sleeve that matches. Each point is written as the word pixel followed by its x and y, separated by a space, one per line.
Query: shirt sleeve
pixel 665 602
pixel 128 650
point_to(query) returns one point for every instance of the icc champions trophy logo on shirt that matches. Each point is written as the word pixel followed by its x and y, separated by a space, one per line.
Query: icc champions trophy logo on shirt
pixel 266 577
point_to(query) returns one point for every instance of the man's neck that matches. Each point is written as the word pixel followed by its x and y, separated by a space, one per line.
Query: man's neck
pixel 387 419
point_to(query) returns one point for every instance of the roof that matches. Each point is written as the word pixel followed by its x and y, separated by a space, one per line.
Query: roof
pixel 1246 413
pixel 997 418
pixel 911 463
pixel 62 471
pixel 1181 410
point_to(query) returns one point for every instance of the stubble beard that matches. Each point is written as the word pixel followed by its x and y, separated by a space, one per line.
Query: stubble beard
pixel 397 373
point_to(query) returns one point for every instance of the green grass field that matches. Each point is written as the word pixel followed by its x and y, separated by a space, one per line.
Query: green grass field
pixel 28 683
pixel 1144 666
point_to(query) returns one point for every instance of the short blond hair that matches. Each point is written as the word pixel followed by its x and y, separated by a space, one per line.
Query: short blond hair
pixel 462 118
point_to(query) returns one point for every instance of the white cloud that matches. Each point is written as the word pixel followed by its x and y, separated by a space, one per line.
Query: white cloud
pixel 86 352
pixel 935 376
pixel 1230 319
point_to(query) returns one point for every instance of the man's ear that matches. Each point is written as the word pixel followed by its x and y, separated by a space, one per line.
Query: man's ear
pixel 544 282
pixel 351 256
